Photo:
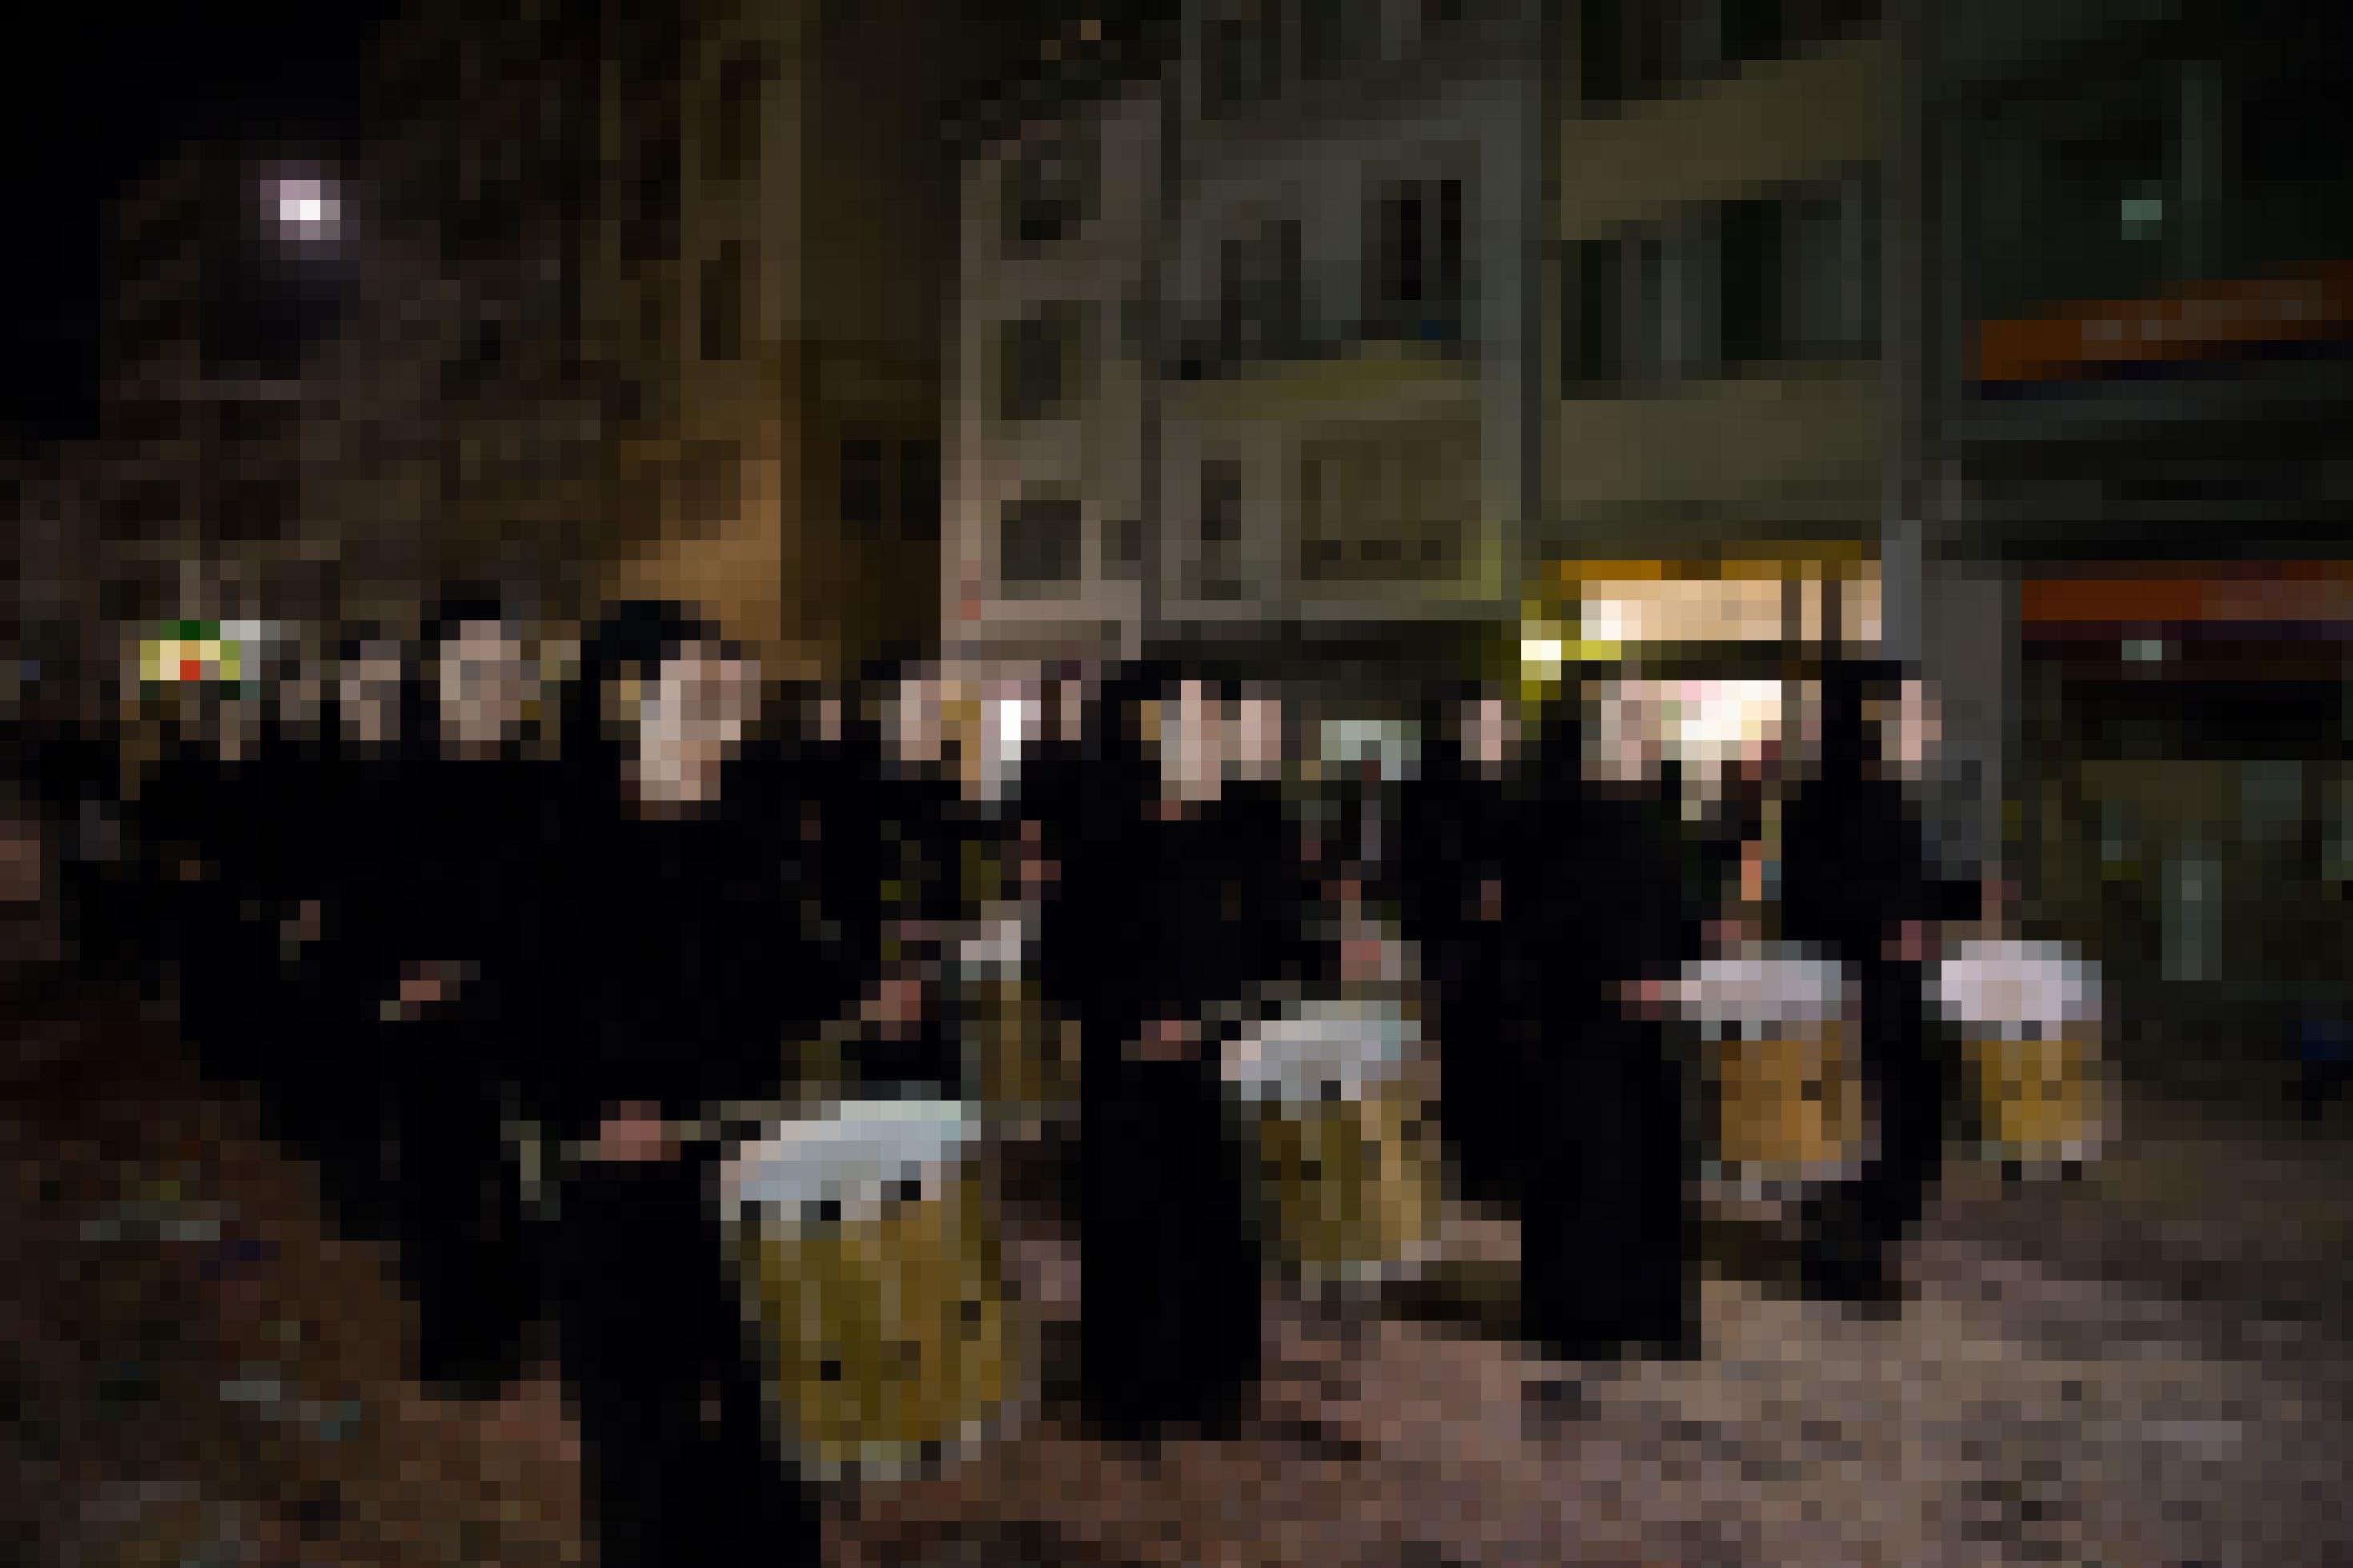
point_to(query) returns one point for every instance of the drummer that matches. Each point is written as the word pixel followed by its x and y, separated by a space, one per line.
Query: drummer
pixel 885 857
pixel 1590 907
pixel 669 994
pixel 449 852
pixel 1857 884
pixel 1162 910
pixel 1452 841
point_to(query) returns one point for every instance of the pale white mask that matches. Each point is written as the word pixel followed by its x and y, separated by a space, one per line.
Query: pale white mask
pixel 482 683
pixel 690 723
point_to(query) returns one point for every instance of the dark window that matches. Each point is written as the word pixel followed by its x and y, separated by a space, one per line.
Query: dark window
pixel 1832 251
pixel 1601 51
pixel 1415 292
pixel 1126 546
pixel 1038 543
pixel 722 303
pixel 1755 30
pixel 1333 36
pixel 1038 366
pixel 1049 191
pixel 2295 122
pixel 736 129
pixel 1450 241
pixel 1222 529
pixel 650 230
pixel 919 491
pixel 1261 303
pixel 861 487
pixel 1596 293
pixel 1245 59
pixel 1753 284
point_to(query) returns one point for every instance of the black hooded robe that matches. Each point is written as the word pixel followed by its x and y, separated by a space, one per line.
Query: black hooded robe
pixel 1855 868
pixel 677 980
pixel 1454 837
pixel 460 849
pixel 1164 919
pixel 1592 902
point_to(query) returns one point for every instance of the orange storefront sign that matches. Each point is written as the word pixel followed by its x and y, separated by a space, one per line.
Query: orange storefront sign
pixel 2278 593
pixel 2204 321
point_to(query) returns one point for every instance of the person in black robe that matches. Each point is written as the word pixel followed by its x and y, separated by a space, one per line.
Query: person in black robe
pixel 200 812
pixel 1590 907
pixel 71 763
pixel 452 855
pixel 670 997
pixel 1858 885
pixel 1449 848
pixel 896 832
pixel 340 1110
pixel 1160 915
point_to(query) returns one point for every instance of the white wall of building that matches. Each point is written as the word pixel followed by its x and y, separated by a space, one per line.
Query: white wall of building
pixel 1097 449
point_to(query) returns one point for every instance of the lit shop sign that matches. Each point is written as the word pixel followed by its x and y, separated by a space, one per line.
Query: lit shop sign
pixel 2199 322
pixel 1609 617
pixel 190 652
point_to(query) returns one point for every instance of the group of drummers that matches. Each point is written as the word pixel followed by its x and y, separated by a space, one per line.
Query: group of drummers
pixel 444 959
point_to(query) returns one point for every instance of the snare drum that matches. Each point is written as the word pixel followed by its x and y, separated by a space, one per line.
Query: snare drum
pixel 2027 1018
pixel 870 1260
pixel 1778 1034
pixel 1347 1141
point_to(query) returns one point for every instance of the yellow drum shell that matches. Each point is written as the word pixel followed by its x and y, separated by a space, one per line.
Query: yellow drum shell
pixel 1026 1069
pixel 2037 1099
pixel 1788 1106
pixel 889 1340
pixel 1354 1183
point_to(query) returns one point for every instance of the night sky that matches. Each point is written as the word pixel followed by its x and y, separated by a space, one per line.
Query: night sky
pixel 96 94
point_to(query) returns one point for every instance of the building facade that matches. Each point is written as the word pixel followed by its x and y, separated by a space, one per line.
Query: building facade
pixel 1346 431
pixel 2131 492
pixel 1049 420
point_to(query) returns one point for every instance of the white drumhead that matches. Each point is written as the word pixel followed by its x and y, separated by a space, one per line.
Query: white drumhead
pixel 854 1156
pixel 2013 983
pixel 1349 1045
pixel 1761 986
